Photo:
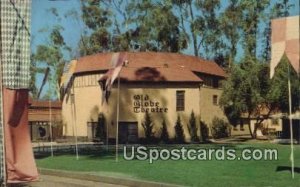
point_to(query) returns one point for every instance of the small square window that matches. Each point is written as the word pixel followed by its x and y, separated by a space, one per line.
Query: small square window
pixel 275 122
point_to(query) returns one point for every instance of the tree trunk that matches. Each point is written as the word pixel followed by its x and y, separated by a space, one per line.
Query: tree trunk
pixel 250 130
pixel 193 30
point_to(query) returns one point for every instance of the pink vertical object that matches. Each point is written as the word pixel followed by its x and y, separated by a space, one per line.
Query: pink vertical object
pixel 285 40
pixel 20 164
pixel 117 62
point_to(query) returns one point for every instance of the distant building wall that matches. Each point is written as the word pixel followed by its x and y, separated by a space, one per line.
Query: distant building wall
pixel 273 125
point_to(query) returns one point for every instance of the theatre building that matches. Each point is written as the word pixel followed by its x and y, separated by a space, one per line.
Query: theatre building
pixel 166 85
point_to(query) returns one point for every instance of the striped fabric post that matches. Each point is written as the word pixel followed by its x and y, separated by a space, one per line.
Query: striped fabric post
pixel 1 139
pixel 285 40
pixel 15 37
pixel 15 16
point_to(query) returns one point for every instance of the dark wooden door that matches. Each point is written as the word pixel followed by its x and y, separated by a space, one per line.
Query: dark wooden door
pixel 128 132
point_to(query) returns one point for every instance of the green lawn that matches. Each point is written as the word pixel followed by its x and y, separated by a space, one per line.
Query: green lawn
pixel 191 173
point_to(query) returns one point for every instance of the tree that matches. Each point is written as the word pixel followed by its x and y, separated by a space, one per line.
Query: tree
pixel 193 128
pixel 207 25
pixel 179 133
pixel 164 136
pixel 97 18
pixel 51 55
pixel 278 90
pixel 203 131
pixel 100 128
pixel 231 25
pixel 219 128
pixel 32 87
pixel 199 23
pixel 249 90
pixel 243 91
pixel 230 99
pixel 214 29
pixel 144 25
pixel 253 13
pixel 148 128
pixel 187 22
pixel 282 8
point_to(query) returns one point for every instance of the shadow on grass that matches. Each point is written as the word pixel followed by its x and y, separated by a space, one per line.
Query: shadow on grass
pixel 18 185
pixel 239 139
pixel 287 168
pixel 109 153
pixel 91 153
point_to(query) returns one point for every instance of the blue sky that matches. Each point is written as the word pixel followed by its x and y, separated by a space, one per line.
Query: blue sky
pixel 43 19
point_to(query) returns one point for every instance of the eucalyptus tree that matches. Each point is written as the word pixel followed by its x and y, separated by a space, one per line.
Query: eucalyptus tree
pixel 200 25
pixel 231 26
pixel 157 27
pixel 52 54
pixel 130 25
pixel 253 14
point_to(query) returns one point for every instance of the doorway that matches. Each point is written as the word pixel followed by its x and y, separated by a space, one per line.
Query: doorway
pixel 128 132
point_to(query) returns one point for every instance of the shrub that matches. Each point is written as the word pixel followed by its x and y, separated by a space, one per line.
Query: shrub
pixel 148 128
pixel 179 133
pixel 100 128
pixel 164 136
pixel 203 131
pixel 193 128
pixel 220 128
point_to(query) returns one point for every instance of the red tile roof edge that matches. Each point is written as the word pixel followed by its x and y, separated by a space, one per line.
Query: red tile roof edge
pixel 100 61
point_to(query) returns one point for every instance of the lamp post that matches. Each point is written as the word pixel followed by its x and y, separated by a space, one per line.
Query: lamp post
pixel 73 111
pixel 109 78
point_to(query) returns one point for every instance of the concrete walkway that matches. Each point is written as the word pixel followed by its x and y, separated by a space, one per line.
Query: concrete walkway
pixel 57 178
pixel 51 181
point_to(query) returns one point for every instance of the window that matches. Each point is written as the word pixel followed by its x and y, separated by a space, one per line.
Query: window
pixel 215 83
pixel 207 81
pixel 180 101
pixel 275 122
pixel 215 99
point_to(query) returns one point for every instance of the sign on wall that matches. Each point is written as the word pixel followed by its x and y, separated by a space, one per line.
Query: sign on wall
pixel 143 103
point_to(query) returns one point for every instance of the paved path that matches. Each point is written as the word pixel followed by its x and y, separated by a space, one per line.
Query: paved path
pixel 54 181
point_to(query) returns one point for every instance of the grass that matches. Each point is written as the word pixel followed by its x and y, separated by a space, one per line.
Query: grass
pixel 190 173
